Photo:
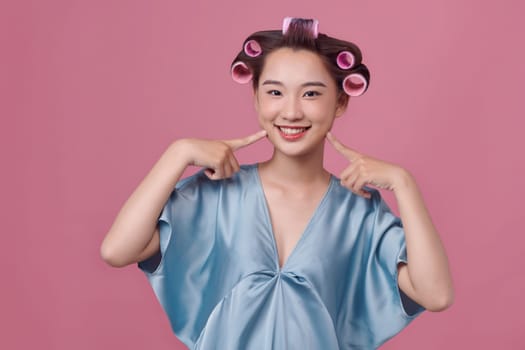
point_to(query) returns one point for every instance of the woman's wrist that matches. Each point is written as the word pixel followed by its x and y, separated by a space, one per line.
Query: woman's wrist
pixel 403 179
pixel 179 152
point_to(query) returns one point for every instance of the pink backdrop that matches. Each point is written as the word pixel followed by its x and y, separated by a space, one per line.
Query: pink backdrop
pixel 92 92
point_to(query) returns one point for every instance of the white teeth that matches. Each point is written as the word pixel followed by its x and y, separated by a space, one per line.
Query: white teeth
pixel 292 131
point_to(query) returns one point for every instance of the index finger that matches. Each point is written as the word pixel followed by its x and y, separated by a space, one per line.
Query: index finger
pixel 344 150
pixel 235 144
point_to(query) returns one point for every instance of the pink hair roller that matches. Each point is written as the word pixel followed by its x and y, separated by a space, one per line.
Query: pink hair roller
pixel 314 27
pixel 252 48
pixel 354 84
pixel 345 60
pixel 286 24
pixel 241 73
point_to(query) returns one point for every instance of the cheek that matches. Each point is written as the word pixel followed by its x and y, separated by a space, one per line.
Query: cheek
pixel 268 109
pixel 264 116
pixel 320 111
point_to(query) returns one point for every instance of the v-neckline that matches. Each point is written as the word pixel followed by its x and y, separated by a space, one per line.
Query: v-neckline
pixel 269 221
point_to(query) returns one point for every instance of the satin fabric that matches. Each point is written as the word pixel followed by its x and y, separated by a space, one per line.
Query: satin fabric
pixel 218 279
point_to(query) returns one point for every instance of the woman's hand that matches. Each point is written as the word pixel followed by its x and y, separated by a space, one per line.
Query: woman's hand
pixel 217 155
pixel 364 170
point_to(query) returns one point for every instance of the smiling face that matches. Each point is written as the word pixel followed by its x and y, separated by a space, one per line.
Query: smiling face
pixel 297 100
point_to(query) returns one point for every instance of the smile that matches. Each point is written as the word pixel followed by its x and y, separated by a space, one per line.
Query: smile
pixel 292 132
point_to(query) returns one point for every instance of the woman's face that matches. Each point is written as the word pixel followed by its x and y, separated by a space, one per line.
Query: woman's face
pixel 296 100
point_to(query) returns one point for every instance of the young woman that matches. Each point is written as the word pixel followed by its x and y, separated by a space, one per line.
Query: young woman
pixel 282 254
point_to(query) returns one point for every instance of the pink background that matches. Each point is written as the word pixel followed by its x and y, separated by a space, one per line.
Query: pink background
pixel 92 92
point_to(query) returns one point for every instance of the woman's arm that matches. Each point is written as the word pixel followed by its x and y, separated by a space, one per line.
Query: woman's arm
pixel 135 225
pixel 426 278
pixel 134 235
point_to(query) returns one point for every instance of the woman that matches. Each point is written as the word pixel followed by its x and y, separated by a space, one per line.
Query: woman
pixel 281 254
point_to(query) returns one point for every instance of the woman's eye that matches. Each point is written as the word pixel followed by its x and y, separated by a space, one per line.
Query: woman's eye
pixel 274 92
pixel 311 93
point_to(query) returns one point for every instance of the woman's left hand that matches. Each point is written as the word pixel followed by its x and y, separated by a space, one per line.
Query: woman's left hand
pixel 364 170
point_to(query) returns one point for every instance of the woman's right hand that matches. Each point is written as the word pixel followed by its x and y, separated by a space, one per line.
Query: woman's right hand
pixel 217 155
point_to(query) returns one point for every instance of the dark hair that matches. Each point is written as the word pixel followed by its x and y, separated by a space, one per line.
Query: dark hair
pixel 299 35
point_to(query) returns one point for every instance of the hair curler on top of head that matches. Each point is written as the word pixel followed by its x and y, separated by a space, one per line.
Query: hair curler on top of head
pixel 342 58
pixel 307 25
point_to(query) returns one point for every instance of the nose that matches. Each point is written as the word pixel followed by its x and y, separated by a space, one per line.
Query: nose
pixel 292 109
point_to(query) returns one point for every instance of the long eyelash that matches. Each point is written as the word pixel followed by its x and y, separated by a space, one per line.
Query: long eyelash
pixel 315 93
pixel 278 93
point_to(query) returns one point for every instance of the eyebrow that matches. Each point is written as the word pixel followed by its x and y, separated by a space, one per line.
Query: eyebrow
pixel 308 83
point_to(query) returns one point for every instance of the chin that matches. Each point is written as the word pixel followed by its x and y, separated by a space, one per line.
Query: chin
pixel 295 149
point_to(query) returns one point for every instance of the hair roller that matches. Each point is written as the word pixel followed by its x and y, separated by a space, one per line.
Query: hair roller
pixel 345 60
pixel 286 24
pixel 312 25
pixel 241 73
pixel 252 48
pixel 355 84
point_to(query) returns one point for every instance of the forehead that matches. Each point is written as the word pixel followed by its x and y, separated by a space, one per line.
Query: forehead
pixel 286 64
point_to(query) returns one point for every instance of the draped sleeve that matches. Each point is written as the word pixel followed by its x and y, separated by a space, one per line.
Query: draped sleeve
pixel 182 273
pixel 391 250
pixel 190 209
pixel 389 310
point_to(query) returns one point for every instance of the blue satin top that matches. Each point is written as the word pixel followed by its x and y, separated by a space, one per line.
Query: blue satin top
pixel 218 279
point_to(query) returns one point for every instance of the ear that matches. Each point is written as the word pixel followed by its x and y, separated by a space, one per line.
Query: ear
pixel 342 104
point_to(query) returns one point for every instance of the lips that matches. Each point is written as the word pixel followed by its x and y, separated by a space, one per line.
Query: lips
pixel 292 132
